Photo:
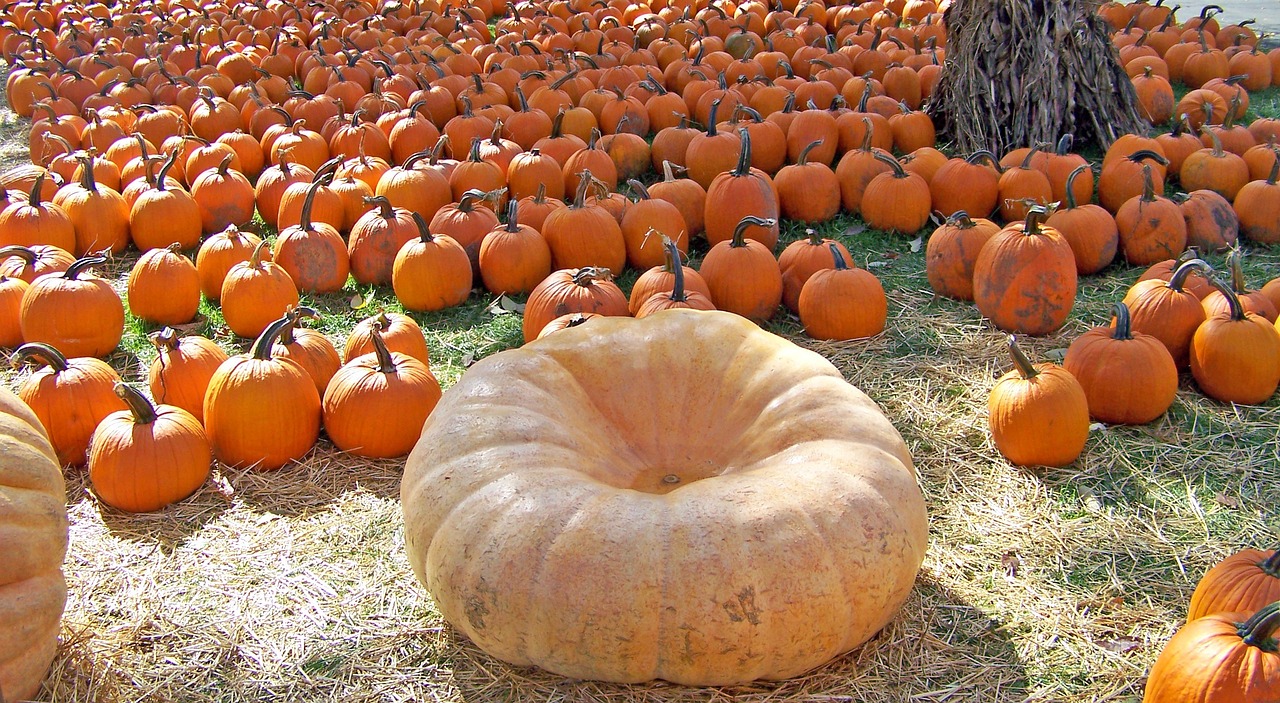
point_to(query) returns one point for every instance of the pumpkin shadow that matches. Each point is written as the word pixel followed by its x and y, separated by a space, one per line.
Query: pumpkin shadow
pixel 166 528
pixel 312 483
pixel 939 645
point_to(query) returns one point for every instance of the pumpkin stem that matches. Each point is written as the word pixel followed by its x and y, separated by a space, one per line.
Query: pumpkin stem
pixel 677 269
pixel 513 210
pixel 841 264
pixel 1071 181
pixel 286 334
pixel 804 153
pixel 584 184
pixel 744 154
pixel 385 211
pixel 1020 360
pixel 1148 185
pixel 1271 565
pixel 261 349
pixel 424 234
pixel 740 230
pixel 255 258
pixel 144 413
pixel 1237 272
pixel 166 338
pixel 1124 329
pixel 39 351
pixel 1036 215
pixel 1260 630
pixel 587 275
pixel 386 364
pixel 79 265
pixel 1179 277
pixel 1233 301
pixel 27 255
pixel 898 170
pixel 468 201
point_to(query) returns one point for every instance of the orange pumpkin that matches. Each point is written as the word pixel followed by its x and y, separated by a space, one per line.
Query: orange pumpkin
pixel 1038 414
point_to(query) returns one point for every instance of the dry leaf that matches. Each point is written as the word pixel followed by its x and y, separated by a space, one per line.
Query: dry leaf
pixel 1228 501
pixel 468 359
pixel 917 244
pixel 1120 645
pixel 1011 563
pixel 358 302
pixel 854 230
pixel 503 305
pixel 1056 355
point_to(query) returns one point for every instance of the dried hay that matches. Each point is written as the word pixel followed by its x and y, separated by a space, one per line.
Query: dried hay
pixel 1019 72
pixel 293 585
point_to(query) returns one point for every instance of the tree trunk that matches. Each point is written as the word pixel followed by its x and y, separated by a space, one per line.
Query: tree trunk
pixel 1024 71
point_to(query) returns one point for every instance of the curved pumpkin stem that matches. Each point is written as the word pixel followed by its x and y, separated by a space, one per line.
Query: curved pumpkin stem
pixel 1124 328
pixel 1233 301
pixel 1179 277
pixel 803 158
pixel 144 413
pixel 424 234
pixel 1260 630
pixel 386 363
pixel 841 264
pixel 744 154
pixel 1237 271
pixel 80 265
pixel 39 351
pixel 1071 182
pixel 261 349
pixel 27 255
pixel 1035 217
pixel 587 275
pixel 1020 360
pixel 294 315
pixel 740 230
pixel 677 269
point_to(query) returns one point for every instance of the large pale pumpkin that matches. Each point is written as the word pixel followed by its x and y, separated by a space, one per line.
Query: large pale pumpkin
pixel 683 497
pixel 33 530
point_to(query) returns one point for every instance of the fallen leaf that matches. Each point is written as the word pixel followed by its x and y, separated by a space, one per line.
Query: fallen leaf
pixel 1097 427
pixel 223 486
pixel 503 305
pixel 1056 355
pixel 891 255
pixel 1120 645
pixel 1091 501
pixel 854 230
pixel 1010 562
pixel 877 264
pixel 1228 501
pixel 468 359
pixel 358 302
pixel 917 244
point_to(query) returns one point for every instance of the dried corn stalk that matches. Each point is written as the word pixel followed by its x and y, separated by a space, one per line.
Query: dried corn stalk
pixel 1024 71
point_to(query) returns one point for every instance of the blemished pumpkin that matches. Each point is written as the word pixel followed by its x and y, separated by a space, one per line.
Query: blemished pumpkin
pixel 1243 582
pixel 1129 378
pixel 34 523
pixel 587 289
pixel 260 410
pixel 375 404
pixel 1227 657
pixel 843 302
pixel 834 530
pixel 952 252
pixel 1038 413
pixel 149 456
pixel 1024 279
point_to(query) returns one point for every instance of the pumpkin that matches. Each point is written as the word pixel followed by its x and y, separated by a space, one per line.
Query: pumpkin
pixel 98 214
pixel 309 348
pixel 180 373
pixel 513 257
pixel 1022 185
pixel 225 197
pixel 430 272
pixel 1122 178
pixel 469 220
pixel 163 287
pixel 165 213
pixel 572 290
pixel 1024 279
pixel 829 513
pixel 34 221
pixel 1129 378
pixel 662 279
pixel 69 396
pixel 1169 310
pixel 218 253
pixel 858 167
pixel 742 274
pixel 376 403
pixel 30 263
pixel 1089 229
pixel 11 292
pixel 147 457
pixel 736 194
pixel 375 239
pixel 1212 224
pixel 800 260
pixel 34 524
pixel 255 292
pixel 584 235
pixel 1214 169
pixel 567 320
pixel 896 200
pixel 398 331
pixel 261 410
pixel 1220 657
pixel 312 252
pixel 678 296
pixel 1243 582
pixel 842 302
pixel 1235 356
pixel 966 185
pixel 75 311
pixel 1038 413
pixel 1257 204
pixel 646 223
pixel 808 191
pixel 1150 226
pixel 1252 301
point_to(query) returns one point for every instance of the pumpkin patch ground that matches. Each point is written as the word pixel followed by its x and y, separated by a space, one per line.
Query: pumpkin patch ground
pixel 1037 585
